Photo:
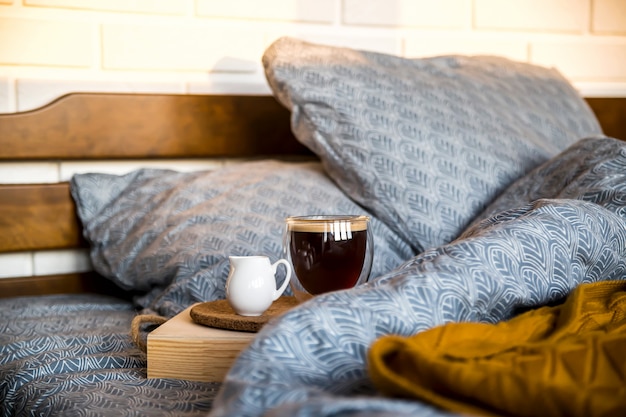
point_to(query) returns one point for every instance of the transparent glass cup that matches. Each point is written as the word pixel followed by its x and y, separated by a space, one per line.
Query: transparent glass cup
pixel 327 253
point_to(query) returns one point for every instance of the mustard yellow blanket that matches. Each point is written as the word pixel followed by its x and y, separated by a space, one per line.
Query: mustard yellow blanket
pixel 568 360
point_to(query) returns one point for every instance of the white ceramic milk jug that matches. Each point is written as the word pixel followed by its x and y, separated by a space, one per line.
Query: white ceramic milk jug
pixel 251 284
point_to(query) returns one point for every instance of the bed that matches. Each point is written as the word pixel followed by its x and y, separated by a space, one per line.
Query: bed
pixel 494 189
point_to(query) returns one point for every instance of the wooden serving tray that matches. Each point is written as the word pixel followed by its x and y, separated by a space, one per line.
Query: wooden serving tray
pixel 183 349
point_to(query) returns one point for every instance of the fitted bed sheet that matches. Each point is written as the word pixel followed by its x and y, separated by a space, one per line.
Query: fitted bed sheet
pixel 73 355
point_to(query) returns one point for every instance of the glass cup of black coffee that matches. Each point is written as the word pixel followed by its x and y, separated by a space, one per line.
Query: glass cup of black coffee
pixel 328 253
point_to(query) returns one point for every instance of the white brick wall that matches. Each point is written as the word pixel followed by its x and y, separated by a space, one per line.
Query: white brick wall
pixel 45 43
pixel 532 15
pixel 60 262
pixel 173 7
pixel 609 17
pixel 180 47
pixel 584 60
pixel 311 11
pixel 52 47
pixel 215 46
pixel 445 14
pixel 424 45
pixel 16 265
pixel 4 96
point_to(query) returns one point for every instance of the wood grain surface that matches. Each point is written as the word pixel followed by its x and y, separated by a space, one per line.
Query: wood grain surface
pixel 611 113
pixel 103 126
pixel 182 349
pixel 38 217
pixel 73 283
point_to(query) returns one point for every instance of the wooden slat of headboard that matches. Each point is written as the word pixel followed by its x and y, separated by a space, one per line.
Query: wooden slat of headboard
pixel 60 284
pixel 611 112
pixel 36 217
pixel 110 126
pixel 102 126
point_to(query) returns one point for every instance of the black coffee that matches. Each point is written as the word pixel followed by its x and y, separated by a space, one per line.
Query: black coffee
pixel 322 263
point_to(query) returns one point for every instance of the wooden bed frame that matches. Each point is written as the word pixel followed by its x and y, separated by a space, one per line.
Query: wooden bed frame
pixel 90 127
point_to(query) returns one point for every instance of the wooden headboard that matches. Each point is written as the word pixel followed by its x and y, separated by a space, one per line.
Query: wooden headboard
pixel 91 127
pixel 611 112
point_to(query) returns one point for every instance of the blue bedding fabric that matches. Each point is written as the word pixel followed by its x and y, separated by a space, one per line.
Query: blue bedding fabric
pixel 561 225
pixel 168 235
pixel 312 360
pixel 72 355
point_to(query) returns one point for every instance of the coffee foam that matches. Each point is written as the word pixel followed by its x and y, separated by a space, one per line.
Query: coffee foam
pixel 338 227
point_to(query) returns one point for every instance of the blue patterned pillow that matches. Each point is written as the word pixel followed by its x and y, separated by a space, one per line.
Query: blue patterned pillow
pixel 169 234
pixel 425 144
pixel 592 169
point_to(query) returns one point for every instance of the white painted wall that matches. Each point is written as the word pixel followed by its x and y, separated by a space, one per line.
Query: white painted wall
pixel 51 47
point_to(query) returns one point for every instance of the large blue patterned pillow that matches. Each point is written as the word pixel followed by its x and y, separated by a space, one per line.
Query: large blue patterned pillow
pixel 168 235
pixel 592 169
pixel 425 144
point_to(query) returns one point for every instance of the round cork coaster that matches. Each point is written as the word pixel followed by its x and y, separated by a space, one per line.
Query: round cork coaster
pixel 221 315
